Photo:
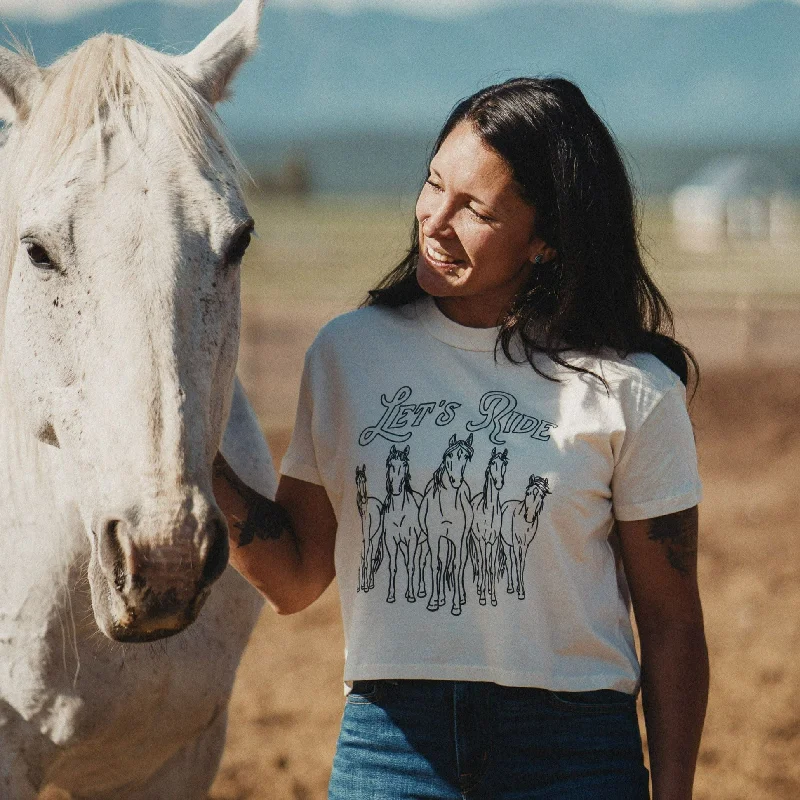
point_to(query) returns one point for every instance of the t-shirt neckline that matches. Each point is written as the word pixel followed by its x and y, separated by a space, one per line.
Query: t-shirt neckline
pixel 446 330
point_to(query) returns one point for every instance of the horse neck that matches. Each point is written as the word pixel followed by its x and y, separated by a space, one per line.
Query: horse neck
pixel 491 495
pixel 446 493
pixel 440 484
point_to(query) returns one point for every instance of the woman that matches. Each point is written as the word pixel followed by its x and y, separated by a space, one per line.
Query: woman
pixel 479 451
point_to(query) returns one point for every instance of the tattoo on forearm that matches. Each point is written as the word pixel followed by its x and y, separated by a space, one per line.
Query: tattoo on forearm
pixel 266 519
pixel 677 533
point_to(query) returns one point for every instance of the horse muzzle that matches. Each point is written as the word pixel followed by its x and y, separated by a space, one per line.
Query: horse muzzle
pixel 146 588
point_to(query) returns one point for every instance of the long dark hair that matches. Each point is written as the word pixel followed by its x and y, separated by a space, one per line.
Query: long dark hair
pixel 597 292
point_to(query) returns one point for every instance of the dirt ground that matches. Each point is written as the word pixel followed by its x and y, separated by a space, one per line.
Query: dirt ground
pixel 288 696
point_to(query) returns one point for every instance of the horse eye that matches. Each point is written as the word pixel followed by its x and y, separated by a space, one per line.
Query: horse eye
pixel 240 244
pixel 38 256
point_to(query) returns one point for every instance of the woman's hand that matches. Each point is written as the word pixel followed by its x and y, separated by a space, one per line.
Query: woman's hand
pixel 660 559
pixel 284 547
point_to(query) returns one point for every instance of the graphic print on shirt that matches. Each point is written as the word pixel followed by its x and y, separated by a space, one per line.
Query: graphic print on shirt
pixel 371 513
pixel 520 522
pixel 401 529
pixel 435 533
pixel 484 537
pixel 497 414
pixel 445 514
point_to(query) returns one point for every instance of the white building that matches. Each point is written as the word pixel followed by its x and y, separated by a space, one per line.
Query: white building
pixel 736 197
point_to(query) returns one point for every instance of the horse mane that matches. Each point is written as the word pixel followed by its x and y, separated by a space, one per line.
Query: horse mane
pixel 542 484
pixel 542 487
pixel 487 477
pixel 437 477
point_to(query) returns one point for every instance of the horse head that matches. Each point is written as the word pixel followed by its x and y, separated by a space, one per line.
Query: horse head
pixel 456 457
pixel 124 225
pixel 496 469
pixel 397 476
pixel 535 492
pixel 361 484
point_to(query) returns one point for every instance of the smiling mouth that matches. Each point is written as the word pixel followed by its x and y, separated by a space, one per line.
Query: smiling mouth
pixel 444 262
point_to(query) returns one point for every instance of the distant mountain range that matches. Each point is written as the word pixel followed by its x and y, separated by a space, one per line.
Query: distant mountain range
pixel 705 80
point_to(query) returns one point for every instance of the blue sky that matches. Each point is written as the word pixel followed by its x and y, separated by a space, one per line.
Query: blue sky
pixel 65 8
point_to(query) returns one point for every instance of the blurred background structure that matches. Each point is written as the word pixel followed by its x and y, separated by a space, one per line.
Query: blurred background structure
pixel 335 117
pixel 733 197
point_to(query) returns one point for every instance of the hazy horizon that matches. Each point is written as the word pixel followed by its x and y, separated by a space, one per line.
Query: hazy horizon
pixel 64 9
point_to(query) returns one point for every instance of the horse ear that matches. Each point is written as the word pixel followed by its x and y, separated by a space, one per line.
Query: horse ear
pixel 452 440
pixel 494 452
pixel 211 66
pixel 407 450
pixel 505 453
pixel 469 440
pixel 20 79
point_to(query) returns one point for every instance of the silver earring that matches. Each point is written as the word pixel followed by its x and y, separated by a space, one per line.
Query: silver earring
pixel 538 260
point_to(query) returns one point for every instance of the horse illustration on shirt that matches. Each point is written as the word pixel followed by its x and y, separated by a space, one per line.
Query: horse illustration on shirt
pixel 370 510
pixel 445 515
pixel 484 537
pixel 520 522
pixel 401 528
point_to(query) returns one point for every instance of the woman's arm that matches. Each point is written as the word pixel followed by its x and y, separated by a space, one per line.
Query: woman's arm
pixel 283 547
pixel 660 558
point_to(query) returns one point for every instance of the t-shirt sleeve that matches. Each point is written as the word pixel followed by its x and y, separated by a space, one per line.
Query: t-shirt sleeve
pixel 657 471
pixel 300 460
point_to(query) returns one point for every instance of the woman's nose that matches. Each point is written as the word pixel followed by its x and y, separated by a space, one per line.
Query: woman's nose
pixel 434 219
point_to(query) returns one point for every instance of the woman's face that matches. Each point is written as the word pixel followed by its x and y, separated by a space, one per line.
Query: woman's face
pixel 476 232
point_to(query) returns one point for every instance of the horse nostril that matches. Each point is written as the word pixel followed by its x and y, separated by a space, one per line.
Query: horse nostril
pixel 113 556
pixel 217 557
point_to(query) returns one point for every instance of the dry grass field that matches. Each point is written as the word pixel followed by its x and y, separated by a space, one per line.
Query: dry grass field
pixel 740 309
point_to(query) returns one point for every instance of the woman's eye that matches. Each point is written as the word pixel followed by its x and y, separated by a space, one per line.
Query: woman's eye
pixel 480 216
pixel 38 256
pixel 433 184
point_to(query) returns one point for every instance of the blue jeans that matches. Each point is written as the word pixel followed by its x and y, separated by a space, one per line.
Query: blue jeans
pixel 453 740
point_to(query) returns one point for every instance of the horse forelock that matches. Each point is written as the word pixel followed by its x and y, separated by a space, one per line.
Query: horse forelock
pixel 542 485
pixel 460 445
pixel 113 83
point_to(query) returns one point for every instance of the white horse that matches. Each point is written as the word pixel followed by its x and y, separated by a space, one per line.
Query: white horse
pixel 370 510
pixel 484 537
pixel 519 524
pixel 123 224
pixel 402 535
pixel 445 515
